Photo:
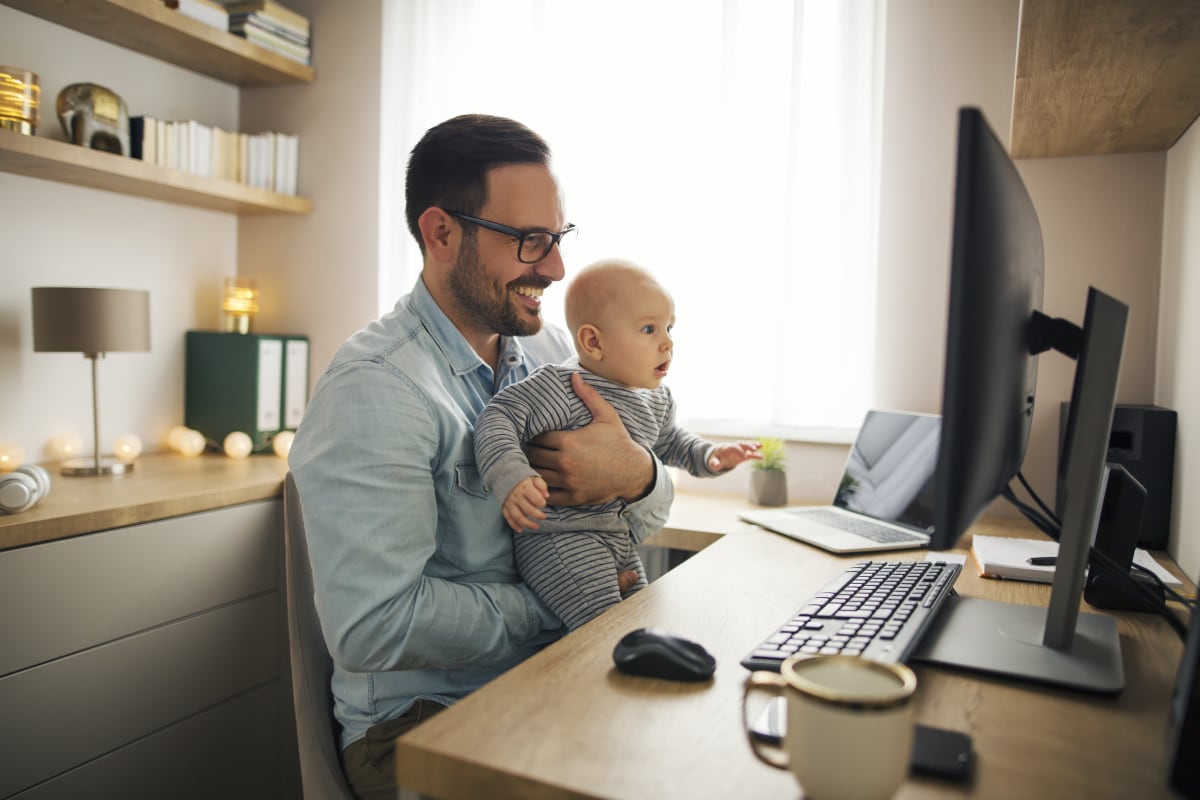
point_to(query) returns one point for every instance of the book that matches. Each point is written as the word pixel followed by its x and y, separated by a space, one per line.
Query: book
pixel 237 22
pixel 274 43
pixel 272 10
pixel 143 138
pixel 209 12
pixel 1006 557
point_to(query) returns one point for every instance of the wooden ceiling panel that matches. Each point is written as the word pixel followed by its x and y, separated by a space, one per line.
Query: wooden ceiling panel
pixel 1105 76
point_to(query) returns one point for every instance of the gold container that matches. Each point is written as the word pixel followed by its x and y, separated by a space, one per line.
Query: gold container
pixel 20 99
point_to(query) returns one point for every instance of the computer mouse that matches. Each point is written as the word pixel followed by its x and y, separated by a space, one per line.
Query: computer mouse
pixel 655 653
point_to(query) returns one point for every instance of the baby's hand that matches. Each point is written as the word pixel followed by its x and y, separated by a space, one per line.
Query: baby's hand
pixel 728 456
pixel 524 504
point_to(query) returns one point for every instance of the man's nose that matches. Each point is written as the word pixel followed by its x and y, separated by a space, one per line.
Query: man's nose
pixel 551 266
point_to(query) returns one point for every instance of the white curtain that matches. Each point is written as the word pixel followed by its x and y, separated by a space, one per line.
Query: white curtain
pixel 729 147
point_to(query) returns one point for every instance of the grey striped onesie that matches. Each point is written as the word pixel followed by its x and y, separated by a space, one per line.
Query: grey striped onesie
pixel 571 561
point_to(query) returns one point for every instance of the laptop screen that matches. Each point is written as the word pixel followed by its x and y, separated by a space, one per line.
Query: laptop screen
pixel 889 473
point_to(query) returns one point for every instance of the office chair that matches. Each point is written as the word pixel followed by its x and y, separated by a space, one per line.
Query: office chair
pixel 312 700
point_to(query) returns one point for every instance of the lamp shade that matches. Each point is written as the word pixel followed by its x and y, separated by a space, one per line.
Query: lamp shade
pixel 69 319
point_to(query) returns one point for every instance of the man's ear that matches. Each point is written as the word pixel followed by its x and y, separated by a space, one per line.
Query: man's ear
pixel 438 234
pixel 588 340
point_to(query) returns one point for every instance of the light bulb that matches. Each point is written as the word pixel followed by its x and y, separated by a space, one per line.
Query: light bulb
pixel 11 456
pixel 238 445
pixel 191 443
pixel 282 443
pixel 176 435
pixel 127 447
pixel 64 445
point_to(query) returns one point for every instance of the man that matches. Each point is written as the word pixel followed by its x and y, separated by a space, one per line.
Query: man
pixel 416 588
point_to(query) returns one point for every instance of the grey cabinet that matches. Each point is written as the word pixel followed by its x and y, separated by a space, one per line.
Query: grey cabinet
pixel 148 661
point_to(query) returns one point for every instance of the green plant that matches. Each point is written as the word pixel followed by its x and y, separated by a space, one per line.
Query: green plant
pixel 774 456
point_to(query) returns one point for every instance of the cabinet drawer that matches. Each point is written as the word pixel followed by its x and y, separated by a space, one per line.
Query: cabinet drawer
pixel 227 752
pixel 75 709
pixel 63 597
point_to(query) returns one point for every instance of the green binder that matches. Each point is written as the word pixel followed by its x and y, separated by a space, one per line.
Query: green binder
pixel 254 383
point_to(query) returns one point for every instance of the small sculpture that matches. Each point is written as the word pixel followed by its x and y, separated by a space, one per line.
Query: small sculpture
pixel 94 117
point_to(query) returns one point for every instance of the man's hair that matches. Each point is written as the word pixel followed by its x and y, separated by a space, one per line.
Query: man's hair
pixel 448 167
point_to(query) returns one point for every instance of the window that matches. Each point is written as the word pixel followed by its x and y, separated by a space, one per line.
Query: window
pixel 731 148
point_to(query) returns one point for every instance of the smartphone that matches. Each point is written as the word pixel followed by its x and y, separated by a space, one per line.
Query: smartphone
pixel 936 751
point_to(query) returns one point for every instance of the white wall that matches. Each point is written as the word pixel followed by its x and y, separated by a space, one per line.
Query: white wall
pixel 319 273
pixel 1178 383
pixel 58 234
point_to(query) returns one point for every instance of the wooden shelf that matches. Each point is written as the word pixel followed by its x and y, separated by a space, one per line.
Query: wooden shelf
pixel 38 157
pixel 149 27
pixel 1117 76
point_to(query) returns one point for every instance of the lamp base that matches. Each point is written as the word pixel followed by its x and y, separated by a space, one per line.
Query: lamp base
pixel 81 467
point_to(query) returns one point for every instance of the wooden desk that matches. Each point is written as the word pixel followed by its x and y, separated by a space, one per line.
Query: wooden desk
pixel 567 724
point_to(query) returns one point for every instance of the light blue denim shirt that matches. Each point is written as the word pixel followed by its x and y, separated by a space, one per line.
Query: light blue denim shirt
pixel 413 567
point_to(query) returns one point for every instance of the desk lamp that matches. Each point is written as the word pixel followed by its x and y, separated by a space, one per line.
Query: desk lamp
pixel 92 322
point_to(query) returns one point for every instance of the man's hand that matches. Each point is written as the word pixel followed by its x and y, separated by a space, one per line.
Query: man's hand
pixel 626 581
pixel 593 464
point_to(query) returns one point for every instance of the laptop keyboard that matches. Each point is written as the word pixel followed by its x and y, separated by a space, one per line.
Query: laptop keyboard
pixel 874 609
pixel 862 527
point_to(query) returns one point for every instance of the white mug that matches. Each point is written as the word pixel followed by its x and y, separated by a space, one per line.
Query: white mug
pixel 849 725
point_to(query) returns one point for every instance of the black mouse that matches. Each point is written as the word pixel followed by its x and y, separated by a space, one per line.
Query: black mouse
pixel 657 654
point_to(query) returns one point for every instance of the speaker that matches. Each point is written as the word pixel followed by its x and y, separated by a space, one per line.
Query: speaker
pixel 1143 441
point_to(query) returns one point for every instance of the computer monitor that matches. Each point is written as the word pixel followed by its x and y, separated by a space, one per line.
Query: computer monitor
pixel 995 332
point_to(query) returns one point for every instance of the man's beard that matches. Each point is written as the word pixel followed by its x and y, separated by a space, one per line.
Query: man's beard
pixel 487 300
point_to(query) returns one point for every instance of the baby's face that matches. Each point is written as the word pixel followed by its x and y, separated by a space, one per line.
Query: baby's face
pixel 636 336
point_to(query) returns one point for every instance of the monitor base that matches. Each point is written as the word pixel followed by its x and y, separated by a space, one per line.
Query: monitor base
pixel 1006 639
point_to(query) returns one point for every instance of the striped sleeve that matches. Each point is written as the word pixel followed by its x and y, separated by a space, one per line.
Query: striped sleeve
pixel 542 402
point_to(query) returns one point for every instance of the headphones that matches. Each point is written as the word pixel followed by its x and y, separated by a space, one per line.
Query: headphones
pixel 22 488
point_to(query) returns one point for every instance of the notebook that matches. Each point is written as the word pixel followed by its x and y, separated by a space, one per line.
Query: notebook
pixel 884 500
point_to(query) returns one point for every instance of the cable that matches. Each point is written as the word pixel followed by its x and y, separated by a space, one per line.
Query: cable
pixel 1102 562
pixel 1049 514
pixel 1183 599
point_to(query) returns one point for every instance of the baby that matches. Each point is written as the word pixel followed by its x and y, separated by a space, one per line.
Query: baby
pixel 621 320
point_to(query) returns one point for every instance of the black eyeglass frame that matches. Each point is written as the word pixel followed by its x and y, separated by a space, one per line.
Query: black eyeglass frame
pixel 517 233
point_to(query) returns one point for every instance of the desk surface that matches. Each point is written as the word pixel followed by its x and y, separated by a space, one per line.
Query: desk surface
pixel 161 485
pixel 567 724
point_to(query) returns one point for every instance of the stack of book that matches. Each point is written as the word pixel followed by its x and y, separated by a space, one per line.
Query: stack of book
pixel 263 160
pixel 209 12
pixel 270 25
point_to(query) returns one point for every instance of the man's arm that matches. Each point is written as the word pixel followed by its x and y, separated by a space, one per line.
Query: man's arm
pixel 363 460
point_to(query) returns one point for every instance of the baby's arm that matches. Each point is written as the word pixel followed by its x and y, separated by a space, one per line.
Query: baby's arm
pixel 728 456
pixel 524 502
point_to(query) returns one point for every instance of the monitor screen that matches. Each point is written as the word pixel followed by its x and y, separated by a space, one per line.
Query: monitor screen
pixel 990 372
pixel 995 330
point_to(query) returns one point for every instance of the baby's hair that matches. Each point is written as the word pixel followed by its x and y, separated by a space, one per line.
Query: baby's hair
pixel 597 286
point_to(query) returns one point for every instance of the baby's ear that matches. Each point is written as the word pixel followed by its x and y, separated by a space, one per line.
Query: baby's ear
pixel 587 338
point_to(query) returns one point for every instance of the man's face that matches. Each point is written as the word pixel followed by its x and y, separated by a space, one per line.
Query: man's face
pixel 501 293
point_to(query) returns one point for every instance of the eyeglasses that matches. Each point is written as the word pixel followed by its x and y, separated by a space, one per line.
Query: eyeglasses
pixel 532 245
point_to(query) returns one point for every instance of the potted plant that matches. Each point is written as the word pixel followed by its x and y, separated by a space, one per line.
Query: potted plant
pixel 768 478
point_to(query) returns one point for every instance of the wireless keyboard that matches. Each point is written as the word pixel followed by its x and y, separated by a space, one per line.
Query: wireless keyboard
pixel 875 609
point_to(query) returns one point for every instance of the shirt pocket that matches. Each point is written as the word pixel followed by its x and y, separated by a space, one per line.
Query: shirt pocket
pixel 468 480
pixel 473 537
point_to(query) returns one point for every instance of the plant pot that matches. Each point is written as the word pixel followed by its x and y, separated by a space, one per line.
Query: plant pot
pixel 768 487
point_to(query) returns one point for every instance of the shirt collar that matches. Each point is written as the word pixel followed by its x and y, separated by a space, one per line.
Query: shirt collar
pixel 454 346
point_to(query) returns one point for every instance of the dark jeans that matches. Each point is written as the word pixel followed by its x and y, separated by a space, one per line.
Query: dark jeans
pixel 370 763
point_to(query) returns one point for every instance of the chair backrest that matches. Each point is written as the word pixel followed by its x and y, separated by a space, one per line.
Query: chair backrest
pixel 312 699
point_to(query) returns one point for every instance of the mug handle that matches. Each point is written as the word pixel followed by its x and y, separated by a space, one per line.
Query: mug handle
pixel 772 684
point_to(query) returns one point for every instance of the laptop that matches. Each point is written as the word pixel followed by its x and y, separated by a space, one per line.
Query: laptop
pixel 884 500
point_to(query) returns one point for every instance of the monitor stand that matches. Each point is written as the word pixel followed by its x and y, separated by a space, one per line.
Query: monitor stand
pixel 1007 639
pixel 1056 645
